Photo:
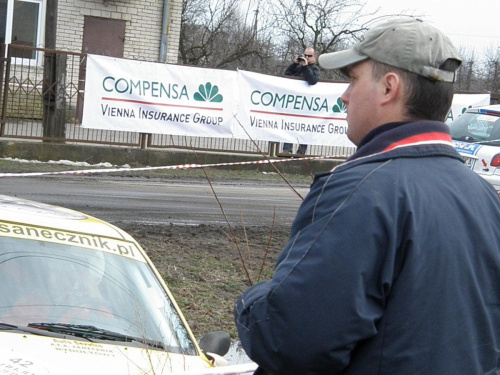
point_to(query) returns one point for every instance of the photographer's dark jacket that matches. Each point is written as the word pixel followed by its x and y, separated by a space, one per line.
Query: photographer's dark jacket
pixel 392 267
pixel 309 72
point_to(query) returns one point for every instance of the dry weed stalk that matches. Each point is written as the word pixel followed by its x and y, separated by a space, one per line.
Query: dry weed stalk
pixel 271 163
pixel 231 235
pixel 246 242
pixel 268 246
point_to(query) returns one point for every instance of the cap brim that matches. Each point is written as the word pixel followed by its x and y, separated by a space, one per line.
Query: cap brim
pixel 340 59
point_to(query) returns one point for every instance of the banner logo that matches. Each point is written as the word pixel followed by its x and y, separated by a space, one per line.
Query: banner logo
pixel 208 93
pixel 340 107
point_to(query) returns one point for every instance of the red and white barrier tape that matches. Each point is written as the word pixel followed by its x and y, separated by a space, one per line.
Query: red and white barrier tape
pixel 181 166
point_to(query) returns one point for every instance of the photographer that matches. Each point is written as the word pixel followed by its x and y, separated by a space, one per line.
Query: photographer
pixel 303 66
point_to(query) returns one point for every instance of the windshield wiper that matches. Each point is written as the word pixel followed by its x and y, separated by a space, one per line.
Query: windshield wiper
pixel 91 332
pixel 12 327
pixel 7 327
pixel 487 141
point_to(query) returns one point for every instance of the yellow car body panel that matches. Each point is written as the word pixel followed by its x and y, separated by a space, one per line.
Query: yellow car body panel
pixel 29 350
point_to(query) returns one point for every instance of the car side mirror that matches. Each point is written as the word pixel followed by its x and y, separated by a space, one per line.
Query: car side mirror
pixel 217 342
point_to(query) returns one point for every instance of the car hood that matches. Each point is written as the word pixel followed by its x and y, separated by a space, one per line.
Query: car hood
pixel 22 353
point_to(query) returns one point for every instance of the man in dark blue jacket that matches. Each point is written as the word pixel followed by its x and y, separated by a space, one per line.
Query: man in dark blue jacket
pixel 393 262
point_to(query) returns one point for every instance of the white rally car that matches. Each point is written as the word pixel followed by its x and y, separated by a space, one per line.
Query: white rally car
pixel 476 136
pixel 80 296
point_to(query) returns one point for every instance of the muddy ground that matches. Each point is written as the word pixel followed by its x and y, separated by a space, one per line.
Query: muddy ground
pixel 203 267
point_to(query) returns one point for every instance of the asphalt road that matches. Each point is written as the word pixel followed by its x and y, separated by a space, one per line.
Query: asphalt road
pixel 163 202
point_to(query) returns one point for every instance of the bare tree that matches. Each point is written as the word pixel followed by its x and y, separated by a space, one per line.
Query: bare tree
pixel 479 74
pixel 218 34
pixel 468 71
pixel 492 70
pixel 325 25
pixel 264 36
pixel 201 24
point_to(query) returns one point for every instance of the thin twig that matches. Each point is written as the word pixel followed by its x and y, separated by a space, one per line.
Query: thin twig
pixel 246 242
pixel 267 158
pixel 233 235
pixel 268 246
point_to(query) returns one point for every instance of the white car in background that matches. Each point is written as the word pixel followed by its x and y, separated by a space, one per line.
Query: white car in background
pixel 476 136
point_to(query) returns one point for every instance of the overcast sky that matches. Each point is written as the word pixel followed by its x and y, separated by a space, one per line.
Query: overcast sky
pixel 470 24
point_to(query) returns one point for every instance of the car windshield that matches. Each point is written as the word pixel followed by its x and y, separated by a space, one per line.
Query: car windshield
pixel 476 127
pixel 46 284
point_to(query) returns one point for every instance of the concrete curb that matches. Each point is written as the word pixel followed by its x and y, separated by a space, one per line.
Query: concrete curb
pixel 136 157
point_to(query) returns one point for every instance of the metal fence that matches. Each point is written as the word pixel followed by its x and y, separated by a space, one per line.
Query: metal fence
pixel 43 92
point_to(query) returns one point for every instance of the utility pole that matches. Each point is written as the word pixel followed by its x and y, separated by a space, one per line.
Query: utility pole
pixel 53 77
pixel 51 24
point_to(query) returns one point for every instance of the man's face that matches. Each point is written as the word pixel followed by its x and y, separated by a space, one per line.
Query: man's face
pixel 309 53
pixel 360 98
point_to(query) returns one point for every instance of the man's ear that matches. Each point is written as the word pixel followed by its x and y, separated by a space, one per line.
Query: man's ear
pixel 393 88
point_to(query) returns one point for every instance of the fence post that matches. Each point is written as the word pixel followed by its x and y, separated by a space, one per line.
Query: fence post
pixel 4 85
pixel 54 101
pixel 143 140
pixel 60 96
pixel 273 148
pixel 48 91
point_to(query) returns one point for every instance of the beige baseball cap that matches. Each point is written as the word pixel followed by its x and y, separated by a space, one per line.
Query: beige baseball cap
pixel 407 44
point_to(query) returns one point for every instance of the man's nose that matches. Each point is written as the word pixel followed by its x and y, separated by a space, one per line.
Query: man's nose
pixel 345 97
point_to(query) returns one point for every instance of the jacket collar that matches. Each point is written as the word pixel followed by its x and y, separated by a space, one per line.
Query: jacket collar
pixel 402 134
pixel 402 139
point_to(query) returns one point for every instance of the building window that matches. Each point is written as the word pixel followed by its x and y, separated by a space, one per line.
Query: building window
pixel 21 23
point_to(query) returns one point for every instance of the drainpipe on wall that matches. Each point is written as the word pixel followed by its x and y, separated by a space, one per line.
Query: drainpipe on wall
pixel 164 32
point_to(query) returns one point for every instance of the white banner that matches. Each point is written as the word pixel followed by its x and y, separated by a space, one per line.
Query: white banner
pixel 281 109
pixel 462 102
pixel 144 97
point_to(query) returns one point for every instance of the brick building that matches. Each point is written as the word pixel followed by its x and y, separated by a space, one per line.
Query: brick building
pixel 49 87
pixel 142 29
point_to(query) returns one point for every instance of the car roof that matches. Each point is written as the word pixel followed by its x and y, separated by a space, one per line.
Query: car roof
pixel 27 212
pixel 493 109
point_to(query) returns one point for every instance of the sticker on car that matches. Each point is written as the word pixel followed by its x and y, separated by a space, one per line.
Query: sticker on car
pixel 466 147
pixel 110 245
